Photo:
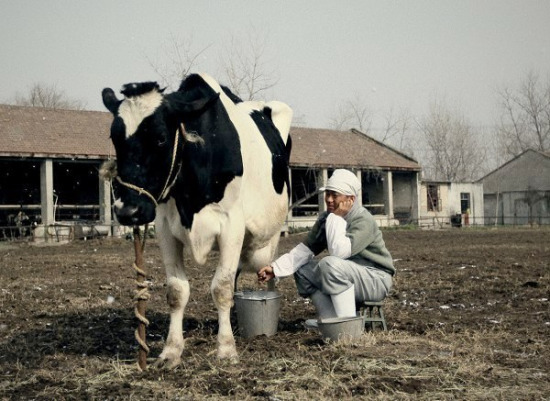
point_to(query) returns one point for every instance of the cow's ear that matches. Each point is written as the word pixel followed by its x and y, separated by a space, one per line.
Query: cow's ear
pixel 183 103
pixel 110 101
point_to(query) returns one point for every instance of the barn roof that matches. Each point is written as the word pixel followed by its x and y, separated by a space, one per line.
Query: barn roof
pixel 39 132
pixel 528 170
pixel 54 133
pixel 345 149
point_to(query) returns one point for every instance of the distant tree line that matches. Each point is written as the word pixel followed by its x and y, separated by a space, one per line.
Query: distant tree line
pixel 47 96
pixel 448 146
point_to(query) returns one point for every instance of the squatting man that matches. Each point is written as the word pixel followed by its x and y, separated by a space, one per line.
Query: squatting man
pixel 358 266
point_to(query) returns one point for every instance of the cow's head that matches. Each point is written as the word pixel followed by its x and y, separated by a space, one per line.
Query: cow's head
pixel 148 135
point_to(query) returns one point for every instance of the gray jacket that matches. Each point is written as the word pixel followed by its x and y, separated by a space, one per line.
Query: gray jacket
pixel 367 244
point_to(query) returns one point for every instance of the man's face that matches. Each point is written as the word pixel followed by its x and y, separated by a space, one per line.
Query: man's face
pixel 333 199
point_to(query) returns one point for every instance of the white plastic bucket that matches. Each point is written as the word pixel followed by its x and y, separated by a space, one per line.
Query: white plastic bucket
pixel 257 312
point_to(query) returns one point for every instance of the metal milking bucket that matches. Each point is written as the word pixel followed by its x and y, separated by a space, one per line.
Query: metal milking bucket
pixel 257 312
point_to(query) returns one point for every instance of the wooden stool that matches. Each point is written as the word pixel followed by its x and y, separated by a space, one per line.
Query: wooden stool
pixel 373 312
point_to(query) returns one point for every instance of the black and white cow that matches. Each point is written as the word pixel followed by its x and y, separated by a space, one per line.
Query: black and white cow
pixel 206 167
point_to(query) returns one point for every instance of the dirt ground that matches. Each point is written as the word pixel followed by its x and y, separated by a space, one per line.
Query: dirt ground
pixel 468 317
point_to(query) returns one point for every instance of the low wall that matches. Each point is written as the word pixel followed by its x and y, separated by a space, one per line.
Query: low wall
pixel 297 223
pixel 65 232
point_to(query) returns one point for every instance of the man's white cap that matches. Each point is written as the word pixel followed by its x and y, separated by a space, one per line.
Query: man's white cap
pixel 344 182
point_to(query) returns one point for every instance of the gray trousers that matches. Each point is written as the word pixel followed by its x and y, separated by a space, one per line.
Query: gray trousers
pixel 333 275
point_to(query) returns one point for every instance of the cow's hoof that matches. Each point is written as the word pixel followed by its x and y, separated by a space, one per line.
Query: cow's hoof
pixel 167 364
pixel 169 358
pixel 228 354
pixel 230 360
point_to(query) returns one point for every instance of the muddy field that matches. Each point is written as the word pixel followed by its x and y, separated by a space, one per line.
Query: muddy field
pixel 469 319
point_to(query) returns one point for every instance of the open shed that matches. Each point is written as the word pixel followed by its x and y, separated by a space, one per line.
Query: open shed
pixel 49 163
pixel 390 179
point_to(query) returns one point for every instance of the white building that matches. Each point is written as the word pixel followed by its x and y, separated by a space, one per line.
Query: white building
pixel 444 203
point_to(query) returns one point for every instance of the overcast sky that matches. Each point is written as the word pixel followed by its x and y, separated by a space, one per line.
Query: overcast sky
pixel 401 54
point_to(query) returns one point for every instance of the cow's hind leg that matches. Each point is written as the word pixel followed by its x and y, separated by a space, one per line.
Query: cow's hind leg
pixel 230 242
pixel 177 297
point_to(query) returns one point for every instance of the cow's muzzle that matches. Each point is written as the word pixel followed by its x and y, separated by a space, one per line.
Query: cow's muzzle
pixel 134 215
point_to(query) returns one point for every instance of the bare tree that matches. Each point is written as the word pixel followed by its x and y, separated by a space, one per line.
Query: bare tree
pixel 47 96
pixel 178 58
pixel 397 127
pixel 242 61
pixel 352 113
pixel 525 121
pixel 451 151
pixel 246 67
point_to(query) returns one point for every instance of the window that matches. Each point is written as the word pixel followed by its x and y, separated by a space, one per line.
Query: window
pixel 464 202
pixel 434 203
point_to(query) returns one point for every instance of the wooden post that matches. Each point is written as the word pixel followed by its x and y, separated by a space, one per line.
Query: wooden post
pixel 140 298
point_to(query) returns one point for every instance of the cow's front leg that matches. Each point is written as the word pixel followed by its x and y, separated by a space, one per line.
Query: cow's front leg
pixel 177 297
pixel 230 243
pixel 222 293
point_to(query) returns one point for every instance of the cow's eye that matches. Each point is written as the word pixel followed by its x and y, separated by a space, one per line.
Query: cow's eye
pixel 161 143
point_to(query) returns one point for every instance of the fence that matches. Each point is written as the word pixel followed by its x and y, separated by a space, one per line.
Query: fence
pixel 85 230
pixel 66 231
pixel 472 221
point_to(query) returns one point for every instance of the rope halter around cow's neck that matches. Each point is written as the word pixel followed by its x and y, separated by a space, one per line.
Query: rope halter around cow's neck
pixel 169 180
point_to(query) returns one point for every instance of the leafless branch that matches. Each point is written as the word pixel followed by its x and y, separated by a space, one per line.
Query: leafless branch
pixel 246 67
pixel 525 120
pixel 47 96
pixel 452 151
pixel 352 113
pixel 178 59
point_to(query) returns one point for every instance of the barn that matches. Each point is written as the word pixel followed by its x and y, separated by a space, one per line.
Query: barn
pixel 49 162
pixel 518 192
pixel 50 187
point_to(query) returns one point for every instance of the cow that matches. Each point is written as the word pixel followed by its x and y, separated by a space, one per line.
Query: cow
pixel 209 169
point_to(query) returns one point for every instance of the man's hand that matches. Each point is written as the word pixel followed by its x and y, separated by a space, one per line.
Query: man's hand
pixel 265 274
pixel 344 207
